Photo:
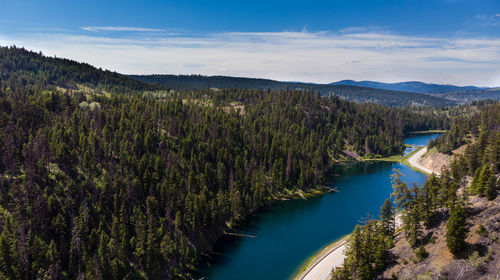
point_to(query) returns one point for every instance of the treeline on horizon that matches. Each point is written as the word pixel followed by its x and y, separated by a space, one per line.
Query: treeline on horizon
pixel 349 92
pixel 138 185
pixel 368 255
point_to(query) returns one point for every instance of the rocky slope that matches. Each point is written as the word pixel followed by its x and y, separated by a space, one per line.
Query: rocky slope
pixel 436 161
pixel 480 261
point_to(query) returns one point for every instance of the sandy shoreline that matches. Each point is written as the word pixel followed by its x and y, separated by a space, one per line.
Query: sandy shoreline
pixel 414 162
pixel 322 264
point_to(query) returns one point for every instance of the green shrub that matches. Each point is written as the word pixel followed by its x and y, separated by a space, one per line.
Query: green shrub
pixel 421 253
pixel 482 231
pixel 475 260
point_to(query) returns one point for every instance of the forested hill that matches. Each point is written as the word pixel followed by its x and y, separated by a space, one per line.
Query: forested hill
pixel 461 94
pixel 470 95
pixel 469 126
pixel 353 93
pixel 23 70
pixel 135 186
pixel 417 87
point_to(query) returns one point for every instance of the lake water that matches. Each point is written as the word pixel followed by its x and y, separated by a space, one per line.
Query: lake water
pixel 289 233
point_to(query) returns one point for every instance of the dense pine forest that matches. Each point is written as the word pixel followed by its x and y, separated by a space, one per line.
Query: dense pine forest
pixel 105 177
pixel 473 173
pixel 466 125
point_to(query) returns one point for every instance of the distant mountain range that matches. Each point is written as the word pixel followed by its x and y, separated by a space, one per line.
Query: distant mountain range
pixel 460 94
pixel 417 87
pixel 350 92
pixel 395 94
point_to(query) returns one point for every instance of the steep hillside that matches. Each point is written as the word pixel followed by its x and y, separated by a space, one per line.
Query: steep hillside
pixel 479 262
pixel 449 226
pixel 23 70
pixel 353 93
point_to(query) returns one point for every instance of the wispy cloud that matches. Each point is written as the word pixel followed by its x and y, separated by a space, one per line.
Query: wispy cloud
pixel 489 20
pixel 120 29
pixel 299 56
pixel 364 29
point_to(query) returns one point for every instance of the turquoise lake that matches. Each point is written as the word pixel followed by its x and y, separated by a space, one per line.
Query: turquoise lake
pixel 290 232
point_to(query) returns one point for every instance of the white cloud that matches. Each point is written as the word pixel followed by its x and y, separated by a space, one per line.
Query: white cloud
pixel 320 57
pixel 120 29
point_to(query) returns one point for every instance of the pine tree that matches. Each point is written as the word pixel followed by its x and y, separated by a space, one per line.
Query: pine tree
pixel 475 180
pixel 9 261
pixel 401 194
pixel 491 188
pixel 354 253
pixel 456 230
pixel 387 218
pixel 412 226
pixel 380 255
pixel 483 180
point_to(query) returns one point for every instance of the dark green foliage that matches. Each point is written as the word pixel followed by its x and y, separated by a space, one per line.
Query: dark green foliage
pixel 482 231
pixel 124 186
pixel 477 120
pixel 387 218
pixel 456 230
pixel 484 183
pixel 367 253
pixel 421 253
pixel 408 201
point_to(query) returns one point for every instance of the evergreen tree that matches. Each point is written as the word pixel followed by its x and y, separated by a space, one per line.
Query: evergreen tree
pixel 401 193
pixel 491 188
pixel 387 218
pixel 483 180
pixel 474 183
pixel 411 224
pixel 456 230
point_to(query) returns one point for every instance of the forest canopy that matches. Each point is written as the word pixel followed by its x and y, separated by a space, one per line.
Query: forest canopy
pixel 106 177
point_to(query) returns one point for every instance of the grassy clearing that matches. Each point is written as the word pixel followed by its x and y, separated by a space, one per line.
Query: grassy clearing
pixel 393 158
pixel 234 106
pixel 296 194
pixel 429 131
pixel 202 102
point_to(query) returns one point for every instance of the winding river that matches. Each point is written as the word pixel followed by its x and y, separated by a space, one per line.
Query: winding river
pixel 287 234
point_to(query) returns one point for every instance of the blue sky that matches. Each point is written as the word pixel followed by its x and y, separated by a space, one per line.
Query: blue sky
pixel 441 41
